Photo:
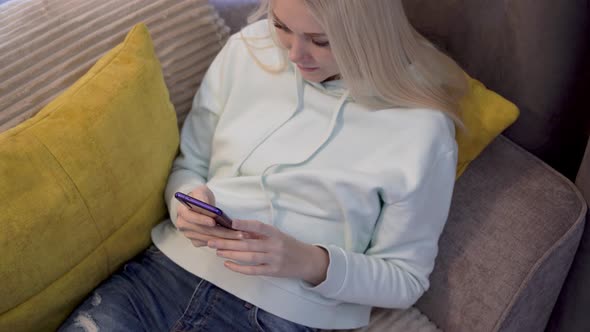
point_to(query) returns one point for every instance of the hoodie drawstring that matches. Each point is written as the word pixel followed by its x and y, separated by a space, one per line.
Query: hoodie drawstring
pixel 325 139
pixel 236 169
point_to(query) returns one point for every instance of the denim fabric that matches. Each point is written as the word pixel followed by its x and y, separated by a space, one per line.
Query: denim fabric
pixel 152 293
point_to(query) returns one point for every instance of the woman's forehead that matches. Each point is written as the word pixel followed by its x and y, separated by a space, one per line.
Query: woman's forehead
pixel 295 15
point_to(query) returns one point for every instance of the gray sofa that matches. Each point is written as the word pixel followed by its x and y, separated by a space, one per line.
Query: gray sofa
pixel 516 218
pixel 571 310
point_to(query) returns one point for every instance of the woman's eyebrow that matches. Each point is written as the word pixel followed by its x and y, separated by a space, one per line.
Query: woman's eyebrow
pixel 310 34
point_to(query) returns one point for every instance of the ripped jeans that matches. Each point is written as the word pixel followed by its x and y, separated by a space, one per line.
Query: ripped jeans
pixel 152 293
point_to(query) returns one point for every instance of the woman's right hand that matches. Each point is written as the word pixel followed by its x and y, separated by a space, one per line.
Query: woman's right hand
pixel 200 228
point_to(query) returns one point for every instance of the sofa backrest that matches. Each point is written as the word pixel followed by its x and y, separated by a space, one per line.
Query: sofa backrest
pixel 532 52
pixel 45 46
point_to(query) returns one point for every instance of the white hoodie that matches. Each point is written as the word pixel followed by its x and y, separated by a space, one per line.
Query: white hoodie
pixel 372 187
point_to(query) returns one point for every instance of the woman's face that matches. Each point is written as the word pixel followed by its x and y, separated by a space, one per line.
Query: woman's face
pixel 308 45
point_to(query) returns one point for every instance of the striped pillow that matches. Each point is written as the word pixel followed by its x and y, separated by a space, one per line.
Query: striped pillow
pixel 45 46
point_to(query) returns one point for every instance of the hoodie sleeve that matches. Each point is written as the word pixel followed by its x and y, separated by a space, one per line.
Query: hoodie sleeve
pixel 394 271
pixel 191 167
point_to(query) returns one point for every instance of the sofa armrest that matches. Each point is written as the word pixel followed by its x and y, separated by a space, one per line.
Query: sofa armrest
pixel 571 310
pixel 583 178
pixel 512 233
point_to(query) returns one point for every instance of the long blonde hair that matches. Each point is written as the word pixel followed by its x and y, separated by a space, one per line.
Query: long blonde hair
pixel 383 60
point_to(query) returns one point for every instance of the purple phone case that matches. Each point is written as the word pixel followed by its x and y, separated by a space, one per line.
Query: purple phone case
pixel 207 209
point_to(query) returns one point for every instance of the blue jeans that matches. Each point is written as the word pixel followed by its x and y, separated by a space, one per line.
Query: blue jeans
pixel 152 293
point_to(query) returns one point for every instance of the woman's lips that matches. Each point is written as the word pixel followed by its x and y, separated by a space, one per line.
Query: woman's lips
pixel 307 69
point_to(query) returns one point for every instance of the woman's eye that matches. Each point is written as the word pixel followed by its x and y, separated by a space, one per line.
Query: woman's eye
pixel 321 44
pixel 281 27
pixel 285 29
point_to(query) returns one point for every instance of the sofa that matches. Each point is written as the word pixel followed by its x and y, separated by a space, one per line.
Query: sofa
pixel 569 313
pixel 516 218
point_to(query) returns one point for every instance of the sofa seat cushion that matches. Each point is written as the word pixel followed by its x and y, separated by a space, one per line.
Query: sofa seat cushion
pixel 512 232
pixel 82 184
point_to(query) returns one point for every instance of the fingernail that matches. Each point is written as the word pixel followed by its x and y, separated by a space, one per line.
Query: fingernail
pixel 212 244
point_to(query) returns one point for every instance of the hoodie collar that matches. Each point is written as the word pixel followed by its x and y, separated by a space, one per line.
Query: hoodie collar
pixel 334 88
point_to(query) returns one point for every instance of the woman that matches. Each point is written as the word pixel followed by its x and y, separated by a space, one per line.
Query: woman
pixel 327 133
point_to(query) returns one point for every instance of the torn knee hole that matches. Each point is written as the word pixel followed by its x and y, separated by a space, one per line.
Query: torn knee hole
pixel 85 321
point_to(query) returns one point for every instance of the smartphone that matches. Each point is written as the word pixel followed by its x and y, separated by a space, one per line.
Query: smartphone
pixel 203 208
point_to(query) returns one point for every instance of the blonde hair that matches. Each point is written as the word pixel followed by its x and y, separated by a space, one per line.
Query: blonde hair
pixel 383 60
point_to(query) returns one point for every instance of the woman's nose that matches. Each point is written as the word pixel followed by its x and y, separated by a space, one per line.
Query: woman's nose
pixel 297 51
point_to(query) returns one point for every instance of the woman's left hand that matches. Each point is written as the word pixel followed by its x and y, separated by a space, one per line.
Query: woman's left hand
pixel 268 251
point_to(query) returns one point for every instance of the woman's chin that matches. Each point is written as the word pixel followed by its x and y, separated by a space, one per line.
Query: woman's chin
pixel 313 76
pixel 317 76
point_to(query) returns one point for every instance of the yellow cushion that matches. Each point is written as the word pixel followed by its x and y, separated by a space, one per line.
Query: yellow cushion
pixel 485 115
pixel 81 185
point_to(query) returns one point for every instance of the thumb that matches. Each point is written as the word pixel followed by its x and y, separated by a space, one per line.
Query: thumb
pixel 209 194
pixel 203 193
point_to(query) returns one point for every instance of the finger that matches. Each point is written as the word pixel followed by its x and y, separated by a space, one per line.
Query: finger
pixel 198 243
pixel 216 231
pixel 256 258
pixel 252 270
pixel 185 226
pixel 193 217
pixel 203 193
pixel 210 227
pixel 239 245
pixel 210 233
pixel 254 226
pixel 200 237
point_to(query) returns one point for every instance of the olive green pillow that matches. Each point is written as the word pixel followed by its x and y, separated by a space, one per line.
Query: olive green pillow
pixel 81 185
